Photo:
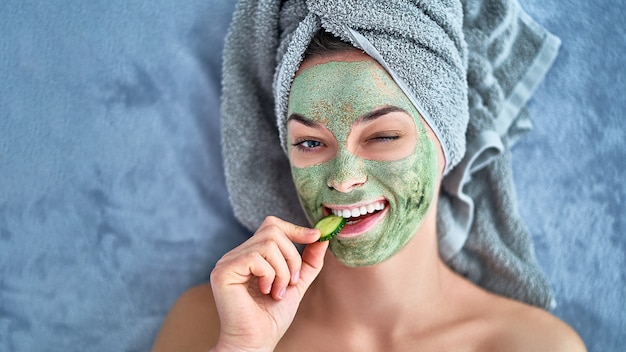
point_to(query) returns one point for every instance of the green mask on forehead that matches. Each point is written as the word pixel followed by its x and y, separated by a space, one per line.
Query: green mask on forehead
pixel 335 94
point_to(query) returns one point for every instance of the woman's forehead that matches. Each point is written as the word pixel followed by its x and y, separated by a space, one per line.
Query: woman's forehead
pixel 344 91
pixel 343 56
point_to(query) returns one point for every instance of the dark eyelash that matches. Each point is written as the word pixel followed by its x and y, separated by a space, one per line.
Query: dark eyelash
pixel 386 137
pixel 298 142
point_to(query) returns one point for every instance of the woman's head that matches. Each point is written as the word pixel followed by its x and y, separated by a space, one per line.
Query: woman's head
pixel 359 148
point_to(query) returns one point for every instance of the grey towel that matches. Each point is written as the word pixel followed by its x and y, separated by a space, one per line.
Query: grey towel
pixel 479 62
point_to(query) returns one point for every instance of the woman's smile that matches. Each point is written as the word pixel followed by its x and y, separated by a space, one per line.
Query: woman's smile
pixel 360 217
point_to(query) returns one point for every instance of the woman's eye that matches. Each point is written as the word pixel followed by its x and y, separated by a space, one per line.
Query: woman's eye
pixel 308 144
pixel 384 138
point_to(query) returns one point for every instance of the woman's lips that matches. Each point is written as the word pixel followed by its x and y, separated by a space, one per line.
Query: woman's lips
pixel 360 218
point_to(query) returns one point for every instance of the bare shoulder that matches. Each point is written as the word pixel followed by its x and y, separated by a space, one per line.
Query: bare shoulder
pixel 522 327
pixel 191 324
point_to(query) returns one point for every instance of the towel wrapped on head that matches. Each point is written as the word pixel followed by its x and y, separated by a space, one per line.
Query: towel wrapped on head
pixel 460 65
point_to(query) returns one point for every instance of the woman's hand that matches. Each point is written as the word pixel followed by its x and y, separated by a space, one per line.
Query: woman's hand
pixel 258 286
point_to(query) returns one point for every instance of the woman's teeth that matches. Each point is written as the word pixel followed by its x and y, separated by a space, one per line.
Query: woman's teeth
pixel 359 211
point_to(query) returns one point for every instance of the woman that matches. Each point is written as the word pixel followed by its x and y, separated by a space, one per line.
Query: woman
pixel 357 147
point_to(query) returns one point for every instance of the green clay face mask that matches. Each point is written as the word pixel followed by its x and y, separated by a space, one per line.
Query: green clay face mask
pixel 335 95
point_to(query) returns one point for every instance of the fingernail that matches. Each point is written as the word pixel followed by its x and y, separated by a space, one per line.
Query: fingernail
pixel 296 277
pixel 281 293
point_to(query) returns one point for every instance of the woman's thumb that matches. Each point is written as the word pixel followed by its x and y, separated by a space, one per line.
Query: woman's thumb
pixel 312 263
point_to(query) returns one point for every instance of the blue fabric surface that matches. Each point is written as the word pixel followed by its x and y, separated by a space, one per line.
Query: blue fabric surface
pixel 570 170
pixel 112 197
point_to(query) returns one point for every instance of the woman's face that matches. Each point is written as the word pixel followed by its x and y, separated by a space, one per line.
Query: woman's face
pixel 359 149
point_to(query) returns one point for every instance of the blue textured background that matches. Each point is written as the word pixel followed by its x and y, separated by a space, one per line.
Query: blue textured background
pixel 571 169
pixel 112 198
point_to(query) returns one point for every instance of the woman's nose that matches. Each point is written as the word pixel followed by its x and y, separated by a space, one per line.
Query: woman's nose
pixel 348 173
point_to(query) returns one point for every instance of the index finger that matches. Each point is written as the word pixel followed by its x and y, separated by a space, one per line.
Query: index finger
pixel 295 233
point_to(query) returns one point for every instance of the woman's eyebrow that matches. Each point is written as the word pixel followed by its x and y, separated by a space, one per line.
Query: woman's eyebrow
pixel 373 115
pixel 303 120
pixel 367 117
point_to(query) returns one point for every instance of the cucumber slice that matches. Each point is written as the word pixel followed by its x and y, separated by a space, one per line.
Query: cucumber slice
pixel 330 226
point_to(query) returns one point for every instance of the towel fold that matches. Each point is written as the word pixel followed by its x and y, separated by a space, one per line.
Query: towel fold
pixel 468 68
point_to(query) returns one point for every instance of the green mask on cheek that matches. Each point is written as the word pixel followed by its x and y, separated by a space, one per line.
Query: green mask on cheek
pixel 336 94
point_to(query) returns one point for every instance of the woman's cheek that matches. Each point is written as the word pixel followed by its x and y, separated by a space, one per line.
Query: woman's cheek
pixel 392 173
pixel 310 183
